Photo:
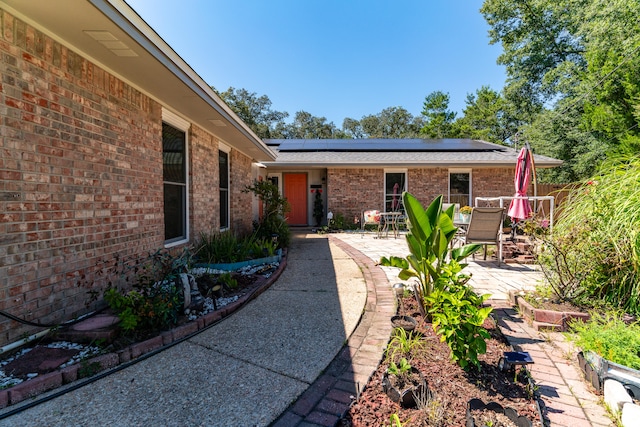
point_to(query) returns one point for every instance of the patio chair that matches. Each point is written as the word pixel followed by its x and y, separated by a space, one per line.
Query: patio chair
pixel 485 228
pixel 370 217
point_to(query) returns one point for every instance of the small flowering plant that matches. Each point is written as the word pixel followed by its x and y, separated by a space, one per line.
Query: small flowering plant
pixel 465 210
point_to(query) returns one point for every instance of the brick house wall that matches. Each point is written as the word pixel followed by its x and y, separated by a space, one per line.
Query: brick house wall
pixel 241 204
pixel 349 191
pixel 493 182
pixel 204 178
pixel 81 177
pixel 427 183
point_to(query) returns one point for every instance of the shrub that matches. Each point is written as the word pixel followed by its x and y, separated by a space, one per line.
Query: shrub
pixel 610 337
pixel 156 299
pixel 274 210
pixel 227 248
pixel 429 239
pixel 592 257
pixel 458 316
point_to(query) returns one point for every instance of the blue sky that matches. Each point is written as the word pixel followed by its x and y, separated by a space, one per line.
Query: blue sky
pixel 333 58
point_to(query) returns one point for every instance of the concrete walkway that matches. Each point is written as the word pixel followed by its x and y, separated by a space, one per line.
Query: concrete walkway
pixel 300 352
pixel 243 371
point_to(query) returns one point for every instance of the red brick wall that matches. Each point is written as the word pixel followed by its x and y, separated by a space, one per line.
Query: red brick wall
pixel 349 191
pixel 493 182
pixel 426 184
pixel 81 178
pixel 241 204
pixel 204 179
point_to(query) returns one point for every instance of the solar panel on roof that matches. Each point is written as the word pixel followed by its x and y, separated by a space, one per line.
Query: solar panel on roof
pixel 390 145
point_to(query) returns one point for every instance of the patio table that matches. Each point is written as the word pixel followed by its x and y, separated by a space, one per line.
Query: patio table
pixel 389 219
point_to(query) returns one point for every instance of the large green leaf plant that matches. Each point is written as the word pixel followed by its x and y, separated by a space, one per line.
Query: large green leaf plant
pixel 457 313
pixel 430 232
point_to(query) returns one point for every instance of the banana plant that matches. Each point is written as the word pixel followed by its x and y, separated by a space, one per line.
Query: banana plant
pixel 430 232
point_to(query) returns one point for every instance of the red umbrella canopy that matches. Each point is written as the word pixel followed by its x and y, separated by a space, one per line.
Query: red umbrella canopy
pixel 519 207
pixel 394 203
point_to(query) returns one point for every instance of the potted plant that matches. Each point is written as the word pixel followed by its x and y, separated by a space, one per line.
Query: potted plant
pixel 404 384
pixel 465 213
pixel 318 208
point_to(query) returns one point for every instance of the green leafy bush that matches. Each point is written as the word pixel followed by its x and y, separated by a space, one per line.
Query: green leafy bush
pixel 458 317
pixel 592 258
pixel 219 248
pixel 610 337
pixel 429 239
pixel 274 210
pixel 340 222
pixel 156 299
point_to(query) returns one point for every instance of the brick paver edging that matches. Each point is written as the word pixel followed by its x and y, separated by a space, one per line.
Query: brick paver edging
pixel 331 394
pixel 105 364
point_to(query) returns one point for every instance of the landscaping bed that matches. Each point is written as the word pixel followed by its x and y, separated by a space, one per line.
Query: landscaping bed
pixel 452 386
pixel 48 363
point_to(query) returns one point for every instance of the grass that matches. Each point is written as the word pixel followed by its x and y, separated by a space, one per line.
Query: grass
pixel 609 336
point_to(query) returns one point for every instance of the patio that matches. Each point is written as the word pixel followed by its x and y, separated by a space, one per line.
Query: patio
pixel 487 276
pixel 568 400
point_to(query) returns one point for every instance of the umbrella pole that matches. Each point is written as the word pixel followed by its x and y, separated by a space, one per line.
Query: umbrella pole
pixel 535 180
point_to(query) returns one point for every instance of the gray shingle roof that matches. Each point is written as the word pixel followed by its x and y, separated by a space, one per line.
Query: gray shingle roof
pixel 396 152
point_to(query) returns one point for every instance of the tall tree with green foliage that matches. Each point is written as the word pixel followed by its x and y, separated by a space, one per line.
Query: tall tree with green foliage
pixel 307 126
pixel 573 74
pixel 254 110
pixel 392 122
pixel 437 116
pixel 487 116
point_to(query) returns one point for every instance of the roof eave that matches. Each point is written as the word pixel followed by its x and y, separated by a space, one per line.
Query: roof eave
pixel 156 69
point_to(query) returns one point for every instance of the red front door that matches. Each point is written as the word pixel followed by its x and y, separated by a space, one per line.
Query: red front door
pixel 295 191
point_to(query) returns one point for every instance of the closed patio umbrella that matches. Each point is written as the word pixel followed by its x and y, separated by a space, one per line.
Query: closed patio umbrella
pixel 519 208
pixel 394 203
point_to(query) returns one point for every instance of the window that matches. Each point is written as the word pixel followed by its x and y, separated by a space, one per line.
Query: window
pixel 174 170
pixel 394 184
pixel 460 188
pixel 223 166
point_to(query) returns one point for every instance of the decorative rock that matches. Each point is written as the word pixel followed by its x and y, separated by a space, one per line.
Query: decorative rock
pixel 630 415
pixel 615 395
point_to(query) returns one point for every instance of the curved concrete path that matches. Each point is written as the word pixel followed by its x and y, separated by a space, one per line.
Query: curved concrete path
pixel 243 371
pixel 300 352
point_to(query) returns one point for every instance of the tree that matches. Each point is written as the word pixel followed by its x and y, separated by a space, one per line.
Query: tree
pixel 254 110
pixel 611 85
pixel 487 116
pixel 539 38
pixel 573 70
pixel 307 126
pixel 563 136
pixel 438 118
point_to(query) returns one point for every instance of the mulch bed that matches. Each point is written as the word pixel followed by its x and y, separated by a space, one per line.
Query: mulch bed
pixel 453 387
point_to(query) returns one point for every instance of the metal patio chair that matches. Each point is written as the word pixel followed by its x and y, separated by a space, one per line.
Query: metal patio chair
pixel 485 228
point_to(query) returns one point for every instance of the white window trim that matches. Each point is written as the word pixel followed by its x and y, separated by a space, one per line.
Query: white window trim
pixel 179 123
pixel 460 170
pixel 405 171
pixel 279 176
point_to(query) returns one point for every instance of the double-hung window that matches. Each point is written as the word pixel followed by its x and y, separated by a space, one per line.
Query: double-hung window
pixel 395 182
pixel 460 187
pixel 223 167
pixel 174 170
